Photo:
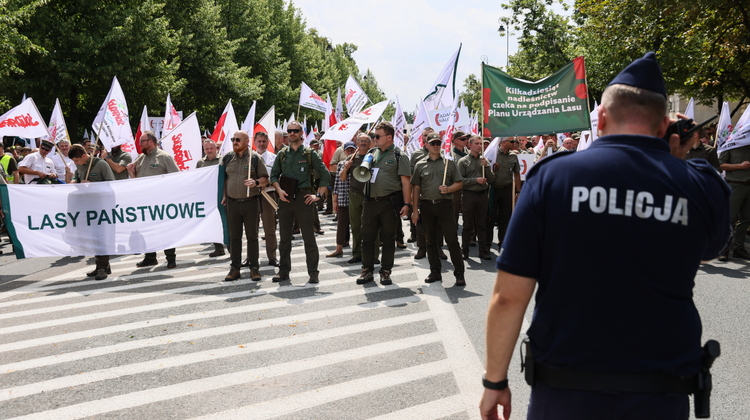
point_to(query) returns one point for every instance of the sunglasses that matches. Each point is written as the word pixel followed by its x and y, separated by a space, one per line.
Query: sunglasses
pixel 378 136
pixel 435 143
pixel 236 139
pixel 293 130
pixel 46 148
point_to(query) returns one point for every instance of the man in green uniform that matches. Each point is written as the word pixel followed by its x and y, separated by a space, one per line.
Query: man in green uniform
pixel 152 162
pixel 432 199
pixel 507 173
pixel 118 161
pixel 419 232
pixel 210 158
pixel 458 151
pixel 99 172
pixel 702 151
pixel 477 177
pixel 356 195
pixel 241 194
pixel 387 200
pixel 736 162
pixel 292 177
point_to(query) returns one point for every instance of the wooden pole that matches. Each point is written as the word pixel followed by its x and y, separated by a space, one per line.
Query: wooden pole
pixel 249 166
pixel 91 156
pixel 445 169
pixel 270 200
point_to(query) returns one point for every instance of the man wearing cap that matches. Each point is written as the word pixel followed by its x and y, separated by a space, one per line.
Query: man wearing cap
pixel 388 194
pixel 267 211
pixel 37 165
pixel 646 219
pixel 417 230
pixel 210 158
pixel 432 200
pixel 99 172
pixel 292 177
pixel 506 186
pixel 153 162
pixel 10 166
pixel 341 202
pixel 477 177
pixel 245 175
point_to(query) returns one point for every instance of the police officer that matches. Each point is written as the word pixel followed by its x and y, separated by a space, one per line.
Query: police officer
pixel 477 177
pixel 210 158
pixel 507 177
pixel 99 172
pixel 293 179
pixel 245 176
pixel 432 199
pixel 387 200
pixel 152 162
pixel 644 237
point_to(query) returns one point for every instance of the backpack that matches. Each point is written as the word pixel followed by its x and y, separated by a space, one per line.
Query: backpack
pixel 308 156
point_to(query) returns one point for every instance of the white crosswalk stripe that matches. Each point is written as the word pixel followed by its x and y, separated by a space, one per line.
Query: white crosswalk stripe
pixel 181 343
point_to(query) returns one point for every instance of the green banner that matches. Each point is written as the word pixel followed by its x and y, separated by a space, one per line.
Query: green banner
pixel 555 104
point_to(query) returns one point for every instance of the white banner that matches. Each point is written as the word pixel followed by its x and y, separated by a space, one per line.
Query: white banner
pixel 440 119
pixel 344 131
pixel 525 161
pixel 310 99
pixel 58 131
pixel 442 91
pixel 111 124
pixel 355 96
pixel 23 121
pixel 184 143
pixel 739 135
pixel 113 218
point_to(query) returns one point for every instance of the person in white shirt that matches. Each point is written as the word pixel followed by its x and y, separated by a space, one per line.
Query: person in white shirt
pixel 37 165
pixel 68 167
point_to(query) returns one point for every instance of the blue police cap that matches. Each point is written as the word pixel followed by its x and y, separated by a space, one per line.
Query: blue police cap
pixel 643 73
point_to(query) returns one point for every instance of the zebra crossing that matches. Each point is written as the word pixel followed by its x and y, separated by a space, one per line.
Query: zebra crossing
pixel 153 343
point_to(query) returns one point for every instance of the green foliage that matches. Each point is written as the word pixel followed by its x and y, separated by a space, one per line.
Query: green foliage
pixel 13 44
pixel 472 94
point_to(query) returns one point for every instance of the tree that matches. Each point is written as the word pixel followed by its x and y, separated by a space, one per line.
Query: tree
pixel 12 42
pixel 472 94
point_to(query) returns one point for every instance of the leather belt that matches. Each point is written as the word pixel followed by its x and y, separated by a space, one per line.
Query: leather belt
pixel 387 197
pixel 739 182
pixel 443 200
pixel 240 200
pixel 475 192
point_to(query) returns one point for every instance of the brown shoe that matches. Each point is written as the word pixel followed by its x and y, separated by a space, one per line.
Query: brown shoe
pixel 385 278
pixel 365 277
pixel 335 255
pixel 108 270
pixel 280 277
pixel 255 274
pixel 421 253
pixel 234 274
pixel 460 280
pixel 217 253
pixel 314 278
pixel 101 274
pixel 433 277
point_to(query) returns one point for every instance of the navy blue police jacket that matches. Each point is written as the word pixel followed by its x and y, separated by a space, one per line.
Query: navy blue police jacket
pixel 614 236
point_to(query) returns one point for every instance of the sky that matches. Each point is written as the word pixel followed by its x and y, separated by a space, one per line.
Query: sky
pixel 406 43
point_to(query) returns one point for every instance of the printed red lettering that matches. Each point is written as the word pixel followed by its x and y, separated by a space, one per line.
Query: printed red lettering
pixel 115 111
pixel 19 121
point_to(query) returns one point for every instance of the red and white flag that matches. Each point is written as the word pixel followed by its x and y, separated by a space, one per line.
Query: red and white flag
pixel 112 124
pixel 58 131
pixel 448 133
pixel 355 96
pixel 23 121
pixel 330 116
pixel 142 128
pixel 225 129
pixel 310 99
pixel 184 143
pixel 266 124
pixel 345 130
pixel 171 117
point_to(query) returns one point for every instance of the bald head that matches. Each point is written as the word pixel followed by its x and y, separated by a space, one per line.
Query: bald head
pixel 240 141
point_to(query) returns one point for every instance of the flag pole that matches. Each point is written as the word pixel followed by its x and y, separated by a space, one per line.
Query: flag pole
pixel 91 156
pixel 445 168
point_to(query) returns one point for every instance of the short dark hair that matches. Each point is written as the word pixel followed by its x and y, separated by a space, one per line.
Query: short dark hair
pixel 387 127
pixel 629 103
pixel 151 135
pixel 76 151
pixel 260 134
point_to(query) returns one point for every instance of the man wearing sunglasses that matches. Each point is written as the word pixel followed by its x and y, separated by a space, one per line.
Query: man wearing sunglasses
pixel 388 199
pixel 153 162
pixel 37 165
pixel 432 200
pixel 293 169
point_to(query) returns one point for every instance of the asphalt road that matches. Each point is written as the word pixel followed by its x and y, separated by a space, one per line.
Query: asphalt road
pixel 181 344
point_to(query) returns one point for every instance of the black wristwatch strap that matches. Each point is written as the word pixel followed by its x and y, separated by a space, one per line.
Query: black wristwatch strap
pixel 495 386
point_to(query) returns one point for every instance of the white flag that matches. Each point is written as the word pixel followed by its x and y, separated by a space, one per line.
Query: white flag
pixel 111 123
pixel 23 121
pixel 420 123
pixel 310 99
pixel 399 122
pixel 330 116
pixel 184 143
pixel 249 124
pixel 58 131
pixel 339 106
pixel 490 153
pixel 225 129
pixel 594 117
pixel 723 128
pixel 344 131
pixel 355 96
pixel 448 134
pixel 585 140
pixel 171 117
pixel 739 134
pixel 690 109
pixel 442 92
pixel 308 139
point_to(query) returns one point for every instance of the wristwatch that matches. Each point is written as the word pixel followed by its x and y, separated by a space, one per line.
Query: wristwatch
pixel 495 386
pixel 317 195
pixel 408 204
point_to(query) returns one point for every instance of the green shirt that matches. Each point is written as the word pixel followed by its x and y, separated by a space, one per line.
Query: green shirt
pixel 507 166
pixel 124 159
pixel 294 164
pixel 704 152
pixel 204 162
pixel 99 172
pixel 470 168
pixel 735 157
pixel 236 173
pixel 428 175
pixel 417 155
pixel 389 171
pixel 156 162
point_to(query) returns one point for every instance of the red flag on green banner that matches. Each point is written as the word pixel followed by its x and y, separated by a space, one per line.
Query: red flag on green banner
pixel 555 104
